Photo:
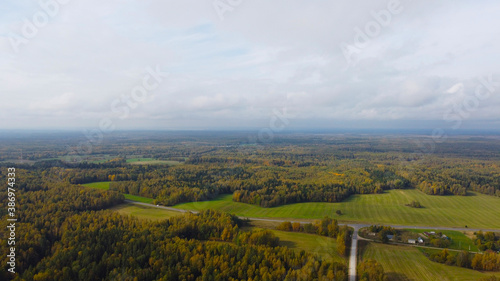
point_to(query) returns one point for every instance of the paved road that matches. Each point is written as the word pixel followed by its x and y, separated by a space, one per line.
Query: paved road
pixel 353 258
pixel 398 226
pixel 160 207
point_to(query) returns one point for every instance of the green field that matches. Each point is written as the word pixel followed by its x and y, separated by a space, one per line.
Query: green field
pixel 143 212
pixel 138 198
pixel 104 185
pixel 151 161
pixel 459 241
pixel 408 263
pixel 325 247
pixel 475 211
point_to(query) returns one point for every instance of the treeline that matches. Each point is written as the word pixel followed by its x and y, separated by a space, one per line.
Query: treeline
pixel 325 227
pixel 487 261
pixel 293 193
pixel 456 177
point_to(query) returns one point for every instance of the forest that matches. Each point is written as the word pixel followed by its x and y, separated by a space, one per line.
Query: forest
pixel 65 233
pixel 292 169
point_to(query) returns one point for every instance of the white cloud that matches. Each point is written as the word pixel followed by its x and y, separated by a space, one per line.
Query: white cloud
pixel 264 55
pixel 66 101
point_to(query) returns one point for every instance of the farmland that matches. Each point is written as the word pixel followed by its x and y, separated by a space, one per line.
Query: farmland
pixel 325 247
pixel 408 263
pixel 475 211
pixel 151 161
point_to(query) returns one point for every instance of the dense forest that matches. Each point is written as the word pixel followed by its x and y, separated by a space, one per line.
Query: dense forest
pixel 64 234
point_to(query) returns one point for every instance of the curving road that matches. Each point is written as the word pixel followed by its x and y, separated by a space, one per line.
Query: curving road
pixel 353 257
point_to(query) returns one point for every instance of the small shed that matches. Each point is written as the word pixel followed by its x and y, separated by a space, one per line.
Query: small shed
pixel 412 241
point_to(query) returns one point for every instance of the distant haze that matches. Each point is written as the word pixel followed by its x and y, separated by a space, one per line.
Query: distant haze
pixel 223 64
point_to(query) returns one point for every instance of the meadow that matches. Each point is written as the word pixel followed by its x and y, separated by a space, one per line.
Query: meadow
pixel 323 246
pixel 408 263
pixel 104 185
pixel 143 212
pixel 476 210
pixel 151 161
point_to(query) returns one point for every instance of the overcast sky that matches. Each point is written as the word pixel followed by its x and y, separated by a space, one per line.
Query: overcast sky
pixel 250 63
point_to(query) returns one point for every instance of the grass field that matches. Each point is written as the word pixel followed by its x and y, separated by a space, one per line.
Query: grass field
pixel 459 241
pixel 325 247
pixel 151 161
pixel 143 212
pixel 408 263
pixel 475 211
pixel 138 198
pixel 104 185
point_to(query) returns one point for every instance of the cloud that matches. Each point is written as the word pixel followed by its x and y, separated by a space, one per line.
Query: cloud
pixel 64 102
pixel 263 56
pixel 455 88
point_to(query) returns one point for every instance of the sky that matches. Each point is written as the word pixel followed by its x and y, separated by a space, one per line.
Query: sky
pixel 234 64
